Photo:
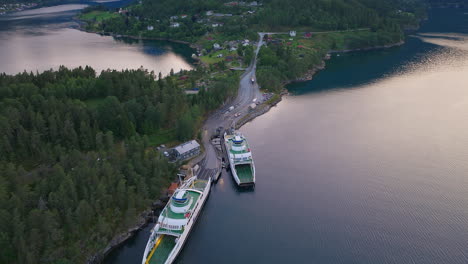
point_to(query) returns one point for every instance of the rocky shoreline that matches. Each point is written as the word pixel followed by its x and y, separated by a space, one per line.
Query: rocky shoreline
pixel 144 219
pixel 369 48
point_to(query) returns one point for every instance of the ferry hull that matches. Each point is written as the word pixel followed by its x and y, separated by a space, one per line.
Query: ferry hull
pixel 234 171
pixel 183 237
pixel 237 179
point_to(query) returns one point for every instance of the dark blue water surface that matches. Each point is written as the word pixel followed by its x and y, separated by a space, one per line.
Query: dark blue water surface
pixel 367 163
pixel 44 38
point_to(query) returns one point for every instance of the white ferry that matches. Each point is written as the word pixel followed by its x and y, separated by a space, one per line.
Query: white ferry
pixel 175 222
pixel 240 159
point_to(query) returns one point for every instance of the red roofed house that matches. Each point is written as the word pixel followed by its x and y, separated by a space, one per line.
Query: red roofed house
pixel 172 188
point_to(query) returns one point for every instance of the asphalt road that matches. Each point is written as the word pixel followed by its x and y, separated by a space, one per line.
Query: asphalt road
pixel 211 162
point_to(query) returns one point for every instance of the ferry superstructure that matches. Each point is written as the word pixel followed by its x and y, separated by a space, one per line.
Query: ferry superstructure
pixel 240 159
pixel 176 221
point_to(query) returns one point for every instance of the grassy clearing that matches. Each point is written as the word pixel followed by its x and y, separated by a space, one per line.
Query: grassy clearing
pixel 163 137
pixel 333 40
pixel 212 57
pixel 98 16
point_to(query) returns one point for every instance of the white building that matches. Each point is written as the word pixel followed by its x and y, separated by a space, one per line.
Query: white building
pixel 175 25
pixel 150 28
pixel 186 150
pixel 216 46
pixel 209 13
pixel 292 33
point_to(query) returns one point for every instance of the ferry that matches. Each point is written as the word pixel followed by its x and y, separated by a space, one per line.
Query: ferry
pixel 175 222
pixel 240 159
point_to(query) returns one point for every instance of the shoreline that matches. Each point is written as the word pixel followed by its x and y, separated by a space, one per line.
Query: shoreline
pixel 190 44
pixel 103 33
pixel 307 76
pixel 145 217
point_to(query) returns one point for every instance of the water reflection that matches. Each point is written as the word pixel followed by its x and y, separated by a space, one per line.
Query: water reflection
pixel 45 38
pixel 368 165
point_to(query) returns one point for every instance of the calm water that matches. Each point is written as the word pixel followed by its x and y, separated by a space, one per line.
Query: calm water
pixel 367 163
pixel 44 38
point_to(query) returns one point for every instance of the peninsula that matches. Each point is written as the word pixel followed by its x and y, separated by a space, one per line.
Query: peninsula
pixel 78 156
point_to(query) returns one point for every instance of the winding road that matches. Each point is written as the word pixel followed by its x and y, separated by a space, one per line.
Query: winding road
pixel 210 162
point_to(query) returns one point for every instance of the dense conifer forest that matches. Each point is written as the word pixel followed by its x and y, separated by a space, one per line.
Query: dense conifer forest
pixel 76 162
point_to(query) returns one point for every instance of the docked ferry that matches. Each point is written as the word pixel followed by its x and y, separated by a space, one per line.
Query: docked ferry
pixel 240 159
pixel 175 222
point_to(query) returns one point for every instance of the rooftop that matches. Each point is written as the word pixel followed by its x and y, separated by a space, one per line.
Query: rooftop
pixel 187 146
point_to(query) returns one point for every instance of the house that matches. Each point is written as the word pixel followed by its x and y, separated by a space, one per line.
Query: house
pixel 186 150
pixel 254 3
pixel 307 35
pixel 149 28
pixel 233 49
pixel 172 188
pixel 183 16
pixel 175 25
pixel 216 46
pixel 292 33
pixel 217 25
pixel 174 17
pixel 231 4
pixel 209 13
pixel 219 55
pixel 276 41
pixel 222 15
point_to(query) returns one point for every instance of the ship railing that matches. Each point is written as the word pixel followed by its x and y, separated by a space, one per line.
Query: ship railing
pixel 166 232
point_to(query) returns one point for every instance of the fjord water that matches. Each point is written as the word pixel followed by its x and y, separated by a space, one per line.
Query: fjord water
pixel 367 163
pixel 45 38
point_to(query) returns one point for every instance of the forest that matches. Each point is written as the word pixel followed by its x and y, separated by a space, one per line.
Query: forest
pixel 77 163
pixel 339 14
pixel 272 15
